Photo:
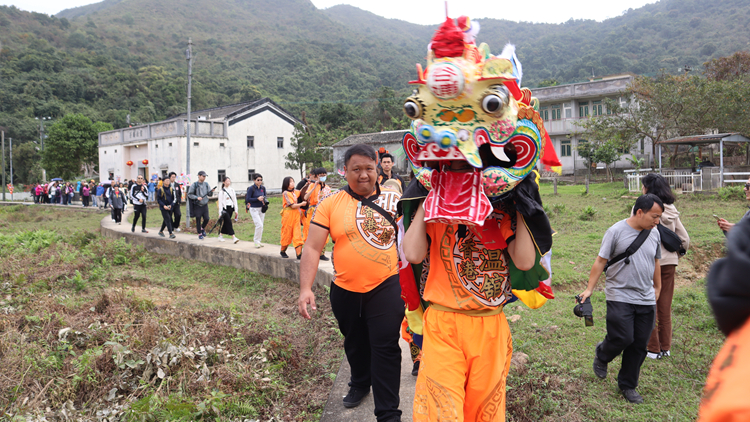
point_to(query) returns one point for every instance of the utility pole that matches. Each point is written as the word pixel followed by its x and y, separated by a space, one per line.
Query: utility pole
pixel 189 57
pixel 11 166
pixel 2 136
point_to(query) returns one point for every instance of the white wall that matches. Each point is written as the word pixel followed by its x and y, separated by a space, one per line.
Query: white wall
pixel 265 157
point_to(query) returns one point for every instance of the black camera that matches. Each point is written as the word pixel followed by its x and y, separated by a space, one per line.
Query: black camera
pixel 584 310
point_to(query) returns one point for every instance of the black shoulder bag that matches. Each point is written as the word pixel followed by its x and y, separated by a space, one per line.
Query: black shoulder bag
pixel 670 240
pixel 630 250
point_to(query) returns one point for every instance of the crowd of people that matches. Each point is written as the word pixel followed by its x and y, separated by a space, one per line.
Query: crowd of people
pixel 638 257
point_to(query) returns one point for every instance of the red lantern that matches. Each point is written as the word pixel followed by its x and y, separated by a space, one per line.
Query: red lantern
pixel 145 162
pixel 129 163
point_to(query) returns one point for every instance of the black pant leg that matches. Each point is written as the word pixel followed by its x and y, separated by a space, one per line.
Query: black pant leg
pixel 206 217
pixel 383 310
pixel 634 355
pixel 136 215
pixel 167 220
pixel 177 216
pixel 143 220
pixel 347 308
pixel 619 336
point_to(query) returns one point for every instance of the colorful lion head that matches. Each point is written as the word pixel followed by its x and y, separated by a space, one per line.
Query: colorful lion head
pixel 475 134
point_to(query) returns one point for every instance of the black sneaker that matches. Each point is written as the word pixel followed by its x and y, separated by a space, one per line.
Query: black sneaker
pixel 161 234
pixel 144 231
pixel 284 255
pixel 415 369
pixel 132 229
pixel 355 397
pixel 632 396
pixel 600 368
pixel 299 257
pixel 172 236
pixel 324 258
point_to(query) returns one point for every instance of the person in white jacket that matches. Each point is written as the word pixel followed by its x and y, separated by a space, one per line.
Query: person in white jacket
pixel 660 343
pixel 227 208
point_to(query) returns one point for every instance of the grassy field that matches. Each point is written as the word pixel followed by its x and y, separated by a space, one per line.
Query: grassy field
pixel 123 303
pixel 89 325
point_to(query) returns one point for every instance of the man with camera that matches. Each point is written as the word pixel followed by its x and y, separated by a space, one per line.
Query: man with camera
pixel 138 195
pixel 629 257
pixel 198 195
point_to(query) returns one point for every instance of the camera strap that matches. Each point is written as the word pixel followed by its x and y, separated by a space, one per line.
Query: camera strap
pixel 630 250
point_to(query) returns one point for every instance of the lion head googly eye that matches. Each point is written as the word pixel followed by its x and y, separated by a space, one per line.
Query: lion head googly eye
pixel 412 109
pixel 495 100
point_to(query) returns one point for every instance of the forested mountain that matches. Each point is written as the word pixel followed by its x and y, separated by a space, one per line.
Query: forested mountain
pixel 127 56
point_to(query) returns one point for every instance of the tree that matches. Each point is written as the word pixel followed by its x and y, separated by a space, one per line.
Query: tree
pixel 306 151
pixel 606 152
pixel 73 146
pixel 728 68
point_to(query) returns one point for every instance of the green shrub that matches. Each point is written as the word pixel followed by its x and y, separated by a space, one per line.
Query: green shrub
pixel 588 213
pixel 558 208
pixel 732 193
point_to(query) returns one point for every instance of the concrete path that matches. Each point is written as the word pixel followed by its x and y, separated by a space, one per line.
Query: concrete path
pixel 265 260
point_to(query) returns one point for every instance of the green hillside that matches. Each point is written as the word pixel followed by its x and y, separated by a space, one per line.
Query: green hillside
pixel 120 57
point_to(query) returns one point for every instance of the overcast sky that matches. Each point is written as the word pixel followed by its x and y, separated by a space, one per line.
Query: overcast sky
pixel 433 11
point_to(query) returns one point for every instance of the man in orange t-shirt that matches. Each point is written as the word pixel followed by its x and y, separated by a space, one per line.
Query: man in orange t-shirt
pixel 467 344
pixel 365 293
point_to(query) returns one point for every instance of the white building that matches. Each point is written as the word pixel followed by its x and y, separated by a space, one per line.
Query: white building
pixel 562 107
pixel 234 141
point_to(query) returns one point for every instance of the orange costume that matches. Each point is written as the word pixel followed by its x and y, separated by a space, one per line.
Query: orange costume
pixel 725 394
pixel 467 343
pixel 312 202
pixel 291 232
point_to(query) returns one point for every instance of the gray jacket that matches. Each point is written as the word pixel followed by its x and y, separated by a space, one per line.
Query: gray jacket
pixel 202 190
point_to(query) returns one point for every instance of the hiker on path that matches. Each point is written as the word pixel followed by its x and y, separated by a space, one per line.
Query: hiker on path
pixel 198 193
pixel 176 212
pixel 291 232
pixel 165 197
pixel 227 209
pixel 365 294
pixel 117 202
pixel 139 195
pixel 314 192
pixel 255 199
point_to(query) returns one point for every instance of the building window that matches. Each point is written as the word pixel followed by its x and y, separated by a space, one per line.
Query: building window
pixel 568 112
pixel 222 175
pixel 544 113
pixel 565 148
pixel 556 112
pixel 596 108
pixel 250 174
pixel 251 141
pixel 115 151
pixel 279 142
pixel 195 144
pixel 111 176
pixel 156 145
pixel 221 144
pixel 170 144
pixel 163 174
pixel 583 109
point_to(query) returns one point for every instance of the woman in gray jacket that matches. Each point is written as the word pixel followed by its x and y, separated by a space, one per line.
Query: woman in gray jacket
pixel 661 337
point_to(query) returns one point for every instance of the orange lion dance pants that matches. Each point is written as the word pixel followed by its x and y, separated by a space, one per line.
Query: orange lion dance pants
pixel 291 232
pixel 465 361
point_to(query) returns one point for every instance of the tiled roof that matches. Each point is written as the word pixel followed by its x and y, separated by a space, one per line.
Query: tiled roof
pixel 390 137
pixel 704 139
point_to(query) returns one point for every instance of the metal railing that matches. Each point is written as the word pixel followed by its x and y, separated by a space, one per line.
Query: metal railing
pixel 679 182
